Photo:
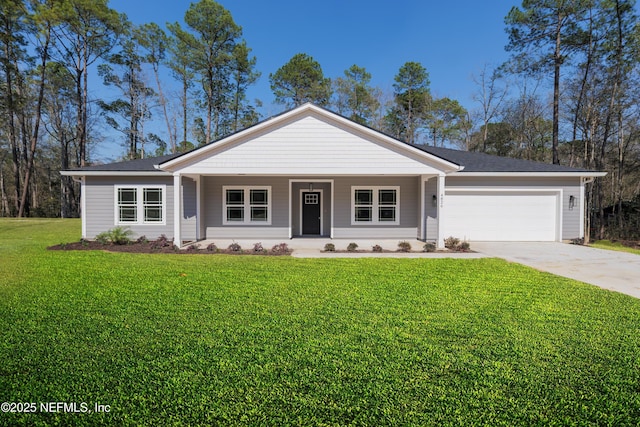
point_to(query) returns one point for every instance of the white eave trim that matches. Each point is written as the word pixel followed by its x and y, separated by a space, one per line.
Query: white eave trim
pixel 114 173
pixel 532 174
pixel 173 164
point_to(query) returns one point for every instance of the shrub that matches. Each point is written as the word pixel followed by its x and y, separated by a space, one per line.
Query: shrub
pixel 103 238
pixel 352 247
pixel 212 247
pixel 84 242
pixel 329 247
pixel 116 236
pixel 142 239
pixel 192 248
pixel 429 247
pixel 162 241
pixel 257 247
pixel 451 242
pixel 463 247
pixel 377 248
pixel 280 249
pixel 234 247
pixel 577 241
pixel 404 246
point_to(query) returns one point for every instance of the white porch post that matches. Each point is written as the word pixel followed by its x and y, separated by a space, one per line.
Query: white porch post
pixel 177 209
pixel 423 219
pixel 441 211
pixel 198 208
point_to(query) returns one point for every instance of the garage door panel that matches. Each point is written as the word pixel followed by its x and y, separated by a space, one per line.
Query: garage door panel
pixel 498 216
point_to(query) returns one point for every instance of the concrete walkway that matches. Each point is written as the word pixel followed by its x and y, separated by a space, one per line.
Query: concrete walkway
pixel 616 271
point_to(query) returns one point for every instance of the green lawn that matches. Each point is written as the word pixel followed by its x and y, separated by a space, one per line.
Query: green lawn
pixel 614 246
pixel 230 340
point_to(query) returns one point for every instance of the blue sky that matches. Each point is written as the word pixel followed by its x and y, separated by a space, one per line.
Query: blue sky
pixel 452 39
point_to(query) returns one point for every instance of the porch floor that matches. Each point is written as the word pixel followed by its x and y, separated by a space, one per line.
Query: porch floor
pixel 313 247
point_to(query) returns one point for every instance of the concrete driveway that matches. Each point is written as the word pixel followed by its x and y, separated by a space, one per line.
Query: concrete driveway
pixel 616 271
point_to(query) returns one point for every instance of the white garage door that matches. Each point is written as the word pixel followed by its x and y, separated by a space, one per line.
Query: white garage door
pixel 502 216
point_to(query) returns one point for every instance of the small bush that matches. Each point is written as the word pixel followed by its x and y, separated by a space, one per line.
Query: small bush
pixel 451 242
pixel 429 247
pixel 463 247
pixel 352 247
pixel 234 247
pixel 162 242
pixel 212 247
pixel 377 248
pixel 192 248
pixel 577 241
pixel 142 239
pixel 280 249
pixel 404 246
pixel 84 242
pixel 103 238
pixel 329 247
pixel 257 247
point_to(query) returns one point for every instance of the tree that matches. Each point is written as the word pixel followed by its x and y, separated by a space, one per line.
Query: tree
pixel 133 108
pixel 88 30
pixel 299 81
pixel 542 34
pixel 180 66
pixel 490 96
pixel 412 101
pixel 211 42
pixel 354 97
pixel 155 44
pixel 244 75
pixel 447 121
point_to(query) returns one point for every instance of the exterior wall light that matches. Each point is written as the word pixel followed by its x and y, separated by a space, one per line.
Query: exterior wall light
pixel 572 202
pixel 434 200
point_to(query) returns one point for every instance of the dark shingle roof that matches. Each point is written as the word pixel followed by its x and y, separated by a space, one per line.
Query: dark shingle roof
pixel 139 165
pixel 481 162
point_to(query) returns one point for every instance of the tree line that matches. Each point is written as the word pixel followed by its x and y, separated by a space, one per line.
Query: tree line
pixel 568 95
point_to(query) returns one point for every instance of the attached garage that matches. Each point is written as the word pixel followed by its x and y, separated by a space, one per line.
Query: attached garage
pixel 503 215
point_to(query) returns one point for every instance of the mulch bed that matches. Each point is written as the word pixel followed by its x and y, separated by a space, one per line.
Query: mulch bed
pixel 155 248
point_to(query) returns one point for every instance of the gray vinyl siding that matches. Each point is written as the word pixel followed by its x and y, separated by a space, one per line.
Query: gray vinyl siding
pixel 569 186
pixel 213 205
pixel 409 208
pixel 189 214
pixel 100 205
pixel 431 212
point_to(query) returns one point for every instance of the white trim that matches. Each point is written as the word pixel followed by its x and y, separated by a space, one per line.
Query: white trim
pixel 303 110
pixel 312 180
pixel 441 210
pixel 177 209
pixel 315 190
pixel 198 180
pixel 246 205
pixel 139 204
pixel 83 206
pixel 583 209
pixel 375 219
pixel 533 174
pixel 423 209
pixel 541 190
pixel 114 173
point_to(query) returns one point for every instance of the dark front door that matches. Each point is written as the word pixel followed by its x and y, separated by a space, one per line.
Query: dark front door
pixel 311 213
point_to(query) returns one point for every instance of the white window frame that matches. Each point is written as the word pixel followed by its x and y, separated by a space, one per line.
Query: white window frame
pixel 246 205
pixel 375 220
pixel 140 204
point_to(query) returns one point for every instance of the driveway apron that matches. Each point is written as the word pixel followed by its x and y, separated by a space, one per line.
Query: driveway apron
pixel 616 271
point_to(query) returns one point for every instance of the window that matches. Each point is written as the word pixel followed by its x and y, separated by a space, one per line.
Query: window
pixel 140 205
pixel 375 205
pixel 246 205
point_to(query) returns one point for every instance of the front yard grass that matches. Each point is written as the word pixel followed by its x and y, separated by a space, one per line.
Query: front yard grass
pixel 228 340
pixel 614 246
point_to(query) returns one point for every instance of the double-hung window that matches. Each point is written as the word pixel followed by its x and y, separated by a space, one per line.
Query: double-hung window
pixel 375 205
pixel 140 204
pixel 246 205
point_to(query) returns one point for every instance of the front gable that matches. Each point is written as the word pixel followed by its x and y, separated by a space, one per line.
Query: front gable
pixel 309 141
